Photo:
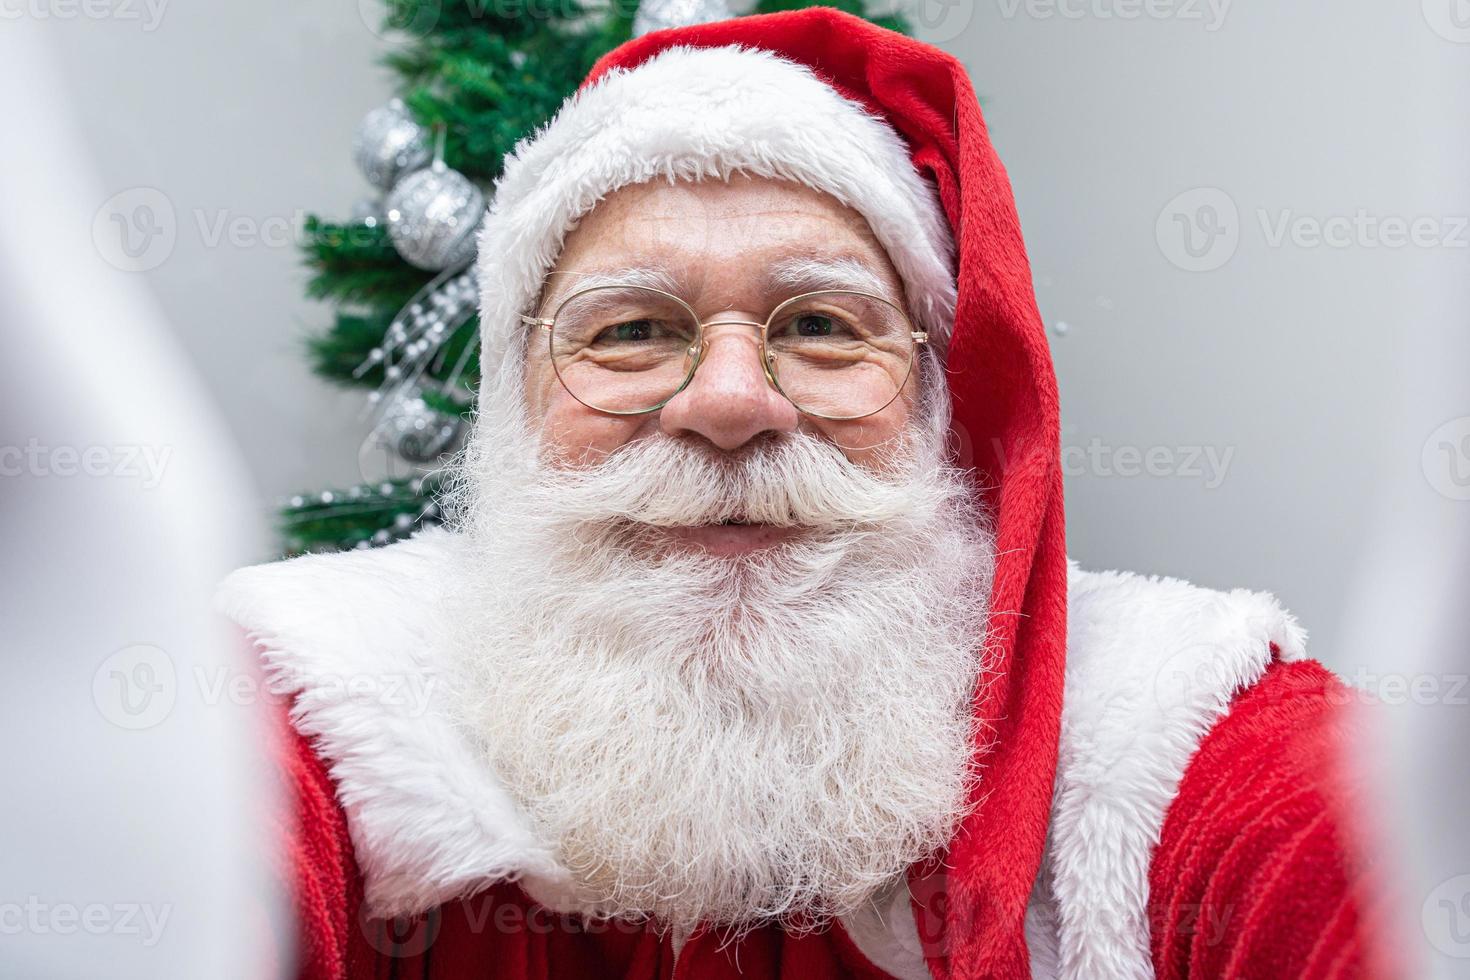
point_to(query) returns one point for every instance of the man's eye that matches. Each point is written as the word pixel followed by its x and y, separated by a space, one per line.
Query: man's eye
pixel 630 332
pixel 815 325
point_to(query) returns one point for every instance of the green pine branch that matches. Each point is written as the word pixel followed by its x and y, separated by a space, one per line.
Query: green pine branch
pixel 357 264
pixel 364 515
pixel 489 73
pixel 338 353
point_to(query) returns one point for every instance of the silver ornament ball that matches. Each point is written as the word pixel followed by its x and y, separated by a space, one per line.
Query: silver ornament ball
pixel 656 15
pixel 433 215
pixel 416 431
pixel 389 143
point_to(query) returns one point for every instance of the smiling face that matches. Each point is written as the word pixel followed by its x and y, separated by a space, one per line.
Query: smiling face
pixel 733 251
pixel 722 654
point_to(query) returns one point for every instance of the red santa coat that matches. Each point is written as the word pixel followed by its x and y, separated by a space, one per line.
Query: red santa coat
pixel 1158 797
pixel 1194 831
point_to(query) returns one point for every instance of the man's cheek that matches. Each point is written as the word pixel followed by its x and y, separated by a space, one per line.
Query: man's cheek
pixel 578 435
pixel 866 442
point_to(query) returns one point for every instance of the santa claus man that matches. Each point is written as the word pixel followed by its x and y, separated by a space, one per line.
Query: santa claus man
pixel 752 648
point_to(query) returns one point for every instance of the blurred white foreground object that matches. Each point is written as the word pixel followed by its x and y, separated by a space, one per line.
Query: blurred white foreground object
pixel 1411 610
pixel 134 790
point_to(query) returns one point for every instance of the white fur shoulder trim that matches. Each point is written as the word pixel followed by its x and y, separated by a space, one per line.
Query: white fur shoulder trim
pixel 1152 665
pixel 350 636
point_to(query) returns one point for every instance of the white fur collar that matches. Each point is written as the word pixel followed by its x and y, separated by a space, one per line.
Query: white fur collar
pixel 350 636
pixel 1152 664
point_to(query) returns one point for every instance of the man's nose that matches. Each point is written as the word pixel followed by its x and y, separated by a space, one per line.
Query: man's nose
pixel 729 401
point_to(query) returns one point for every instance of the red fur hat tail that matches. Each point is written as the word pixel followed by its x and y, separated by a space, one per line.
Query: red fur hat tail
pixel 1005 426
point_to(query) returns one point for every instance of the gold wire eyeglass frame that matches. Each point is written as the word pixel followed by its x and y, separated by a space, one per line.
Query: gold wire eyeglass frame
pixel 700 347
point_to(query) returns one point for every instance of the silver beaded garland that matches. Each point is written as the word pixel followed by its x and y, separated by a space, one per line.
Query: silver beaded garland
pixel 389 143
pixel 433 215
pixel 655 15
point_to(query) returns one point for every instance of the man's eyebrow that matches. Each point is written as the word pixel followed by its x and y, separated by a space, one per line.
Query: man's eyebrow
pixel 810 274
pixel 649 277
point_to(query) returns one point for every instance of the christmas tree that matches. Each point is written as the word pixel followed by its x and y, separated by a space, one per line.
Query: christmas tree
pixel 475 76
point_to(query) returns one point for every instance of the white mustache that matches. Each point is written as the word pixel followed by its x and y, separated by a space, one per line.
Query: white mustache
pixel 795 480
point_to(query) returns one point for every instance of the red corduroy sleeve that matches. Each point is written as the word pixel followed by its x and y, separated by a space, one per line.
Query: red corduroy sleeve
pixel 318 853
pixel 1257 874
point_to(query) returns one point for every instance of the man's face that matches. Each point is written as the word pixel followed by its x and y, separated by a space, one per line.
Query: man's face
pixel 714 723
pixel 732 251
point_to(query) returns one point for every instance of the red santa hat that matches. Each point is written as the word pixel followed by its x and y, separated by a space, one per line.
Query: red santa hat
pixel 689 112
pixel 890 127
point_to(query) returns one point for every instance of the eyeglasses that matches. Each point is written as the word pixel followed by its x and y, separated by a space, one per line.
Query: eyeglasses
pixel 628 350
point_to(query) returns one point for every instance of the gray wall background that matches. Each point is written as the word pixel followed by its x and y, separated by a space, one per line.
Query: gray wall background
pixel 1255 400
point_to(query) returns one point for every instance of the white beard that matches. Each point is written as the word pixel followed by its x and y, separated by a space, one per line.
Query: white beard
pixel 718 740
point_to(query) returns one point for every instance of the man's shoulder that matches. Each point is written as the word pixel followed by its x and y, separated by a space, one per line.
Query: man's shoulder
pixel 350 631
pixel 1154 662
pixel 1108 609
pixel 1158 668
pixel 316 601
pixel 356 641
pixel 1155 666
pixel 1259 868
